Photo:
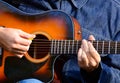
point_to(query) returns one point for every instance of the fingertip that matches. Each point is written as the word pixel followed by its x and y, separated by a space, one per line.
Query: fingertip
pixel 84 41
pixel 33 35
pixel 19 56
pixel 91 37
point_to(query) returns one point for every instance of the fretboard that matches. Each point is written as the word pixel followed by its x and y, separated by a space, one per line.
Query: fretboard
pixel 72 47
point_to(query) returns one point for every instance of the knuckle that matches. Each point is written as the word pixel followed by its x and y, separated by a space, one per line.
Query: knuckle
pixel 26 48
pixel 16 40
pixel 19 30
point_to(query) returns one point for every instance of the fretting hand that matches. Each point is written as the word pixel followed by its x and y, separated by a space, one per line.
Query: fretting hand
pixel 88 57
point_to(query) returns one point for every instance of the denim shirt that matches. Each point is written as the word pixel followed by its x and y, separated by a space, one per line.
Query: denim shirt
pixel 100 18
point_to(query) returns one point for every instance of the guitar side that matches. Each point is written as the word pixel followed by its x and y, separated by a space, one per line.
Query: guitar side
pixel 48 26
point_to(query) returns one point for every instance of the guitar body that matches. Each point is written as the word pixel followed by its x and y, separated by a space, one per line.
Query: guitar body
pixel 36 64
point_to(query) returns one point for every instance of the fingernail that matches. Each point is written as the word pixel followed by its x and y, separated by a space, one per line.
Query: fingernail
pixel 34 35
pixel 20 56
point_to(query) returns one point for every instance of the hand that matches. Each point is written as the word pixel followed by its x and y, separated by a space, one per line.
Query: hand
pixel 88 57
pixel 15 41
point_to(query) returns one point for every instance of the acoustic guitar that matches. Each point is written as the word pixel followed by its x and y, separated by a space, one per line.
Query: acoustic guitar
pixel 57 34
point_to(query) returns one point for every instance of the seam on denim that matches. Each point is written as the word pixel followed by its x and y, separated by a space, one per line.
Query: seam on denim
pixel 81 4
pixel 116 32
pixel 116 1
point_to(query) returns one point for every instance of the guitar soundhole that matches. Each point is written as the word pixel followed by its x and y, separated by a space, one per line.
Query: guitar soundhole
pixel 40 47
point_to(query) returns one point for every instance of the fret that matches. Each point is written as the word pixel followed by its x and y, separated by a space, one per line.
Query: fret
pixel 77 46
pixel 112 48
pixel 54 47
pixel 103 47
pixel 106 44
pixel 109 47
pixel 100 47
pixel 118 48
pixel 115 47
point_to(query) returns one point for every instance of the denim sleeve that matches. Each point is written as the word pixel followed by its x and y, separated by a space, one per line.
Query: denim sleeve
pixel 103 74
pixel 91 77
pixel 109 74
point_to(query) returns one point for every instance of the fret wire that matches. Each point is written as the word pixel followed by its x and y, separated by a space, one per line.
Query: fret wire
pixel 61 46
pixel 58 47
pixel 76 46
pixel 68 46
pixel 72 46
pixel 55 47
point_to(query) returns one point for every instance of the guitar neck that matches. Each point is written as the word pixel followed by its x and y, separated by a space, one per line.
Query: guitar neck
pixel 72 47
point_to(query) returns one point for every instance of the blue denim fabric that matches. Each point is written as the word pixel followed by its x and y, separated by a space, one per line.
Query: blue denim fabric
pixel 100 18
pixel 30 81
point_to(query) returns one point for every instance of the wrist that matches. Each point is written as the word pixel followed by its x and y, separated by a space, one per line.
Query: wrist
pixel 1 29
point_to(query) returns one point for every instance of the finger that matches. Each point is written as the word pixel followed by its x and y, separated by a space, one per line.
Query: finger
pixel 24 42
pixel 18 52
pixel 92 62
pixel 91 37
pixel 26 35
pixel 84 46
pixel 20 48
pixel 83 61
pixel 93 53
